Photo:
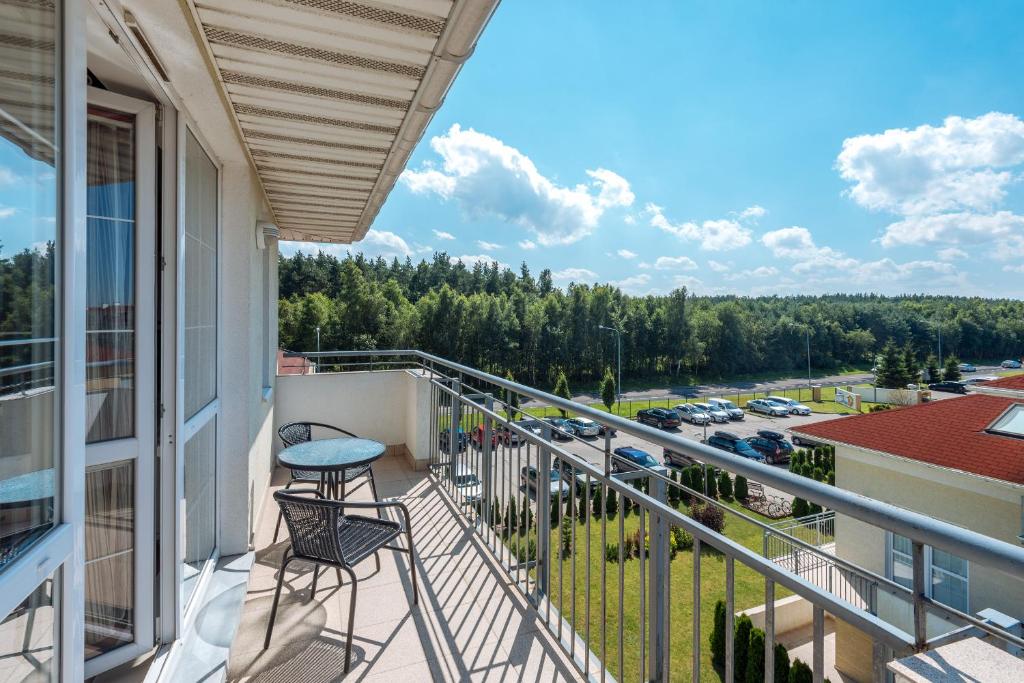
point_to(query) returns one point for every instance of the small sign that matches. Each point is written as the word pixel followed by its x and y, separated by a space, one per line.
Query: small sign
pixel 848 399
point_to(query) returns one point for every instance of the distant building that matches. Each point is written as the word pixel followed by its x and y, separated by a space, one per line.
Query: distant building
pixel 960 460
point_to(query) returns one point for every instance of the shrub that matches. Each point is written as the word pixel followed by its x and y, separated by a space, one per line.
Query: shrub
pixel 683 540
pixel 641 543
pixel 555 511
pixel 806 470
pixel 813 509
pixel 800 673
pixel 581 508
pixel 511 518
pixel 567 536
pixel 718 635
pixel 628 547
pixel 800 508
pixel 709 515
pixel 569 505
pixel 725 484
pixel 495 512
pixel 525 518
pixel 596 504
pixel 696 478
pixel 711 484
pixel 781 663
pixel 611 504
pixel 831 477
pixel 741 488
pixel 741 646
pixel 818 474
pixel 674 493
pixel 755 657
pixel 611 552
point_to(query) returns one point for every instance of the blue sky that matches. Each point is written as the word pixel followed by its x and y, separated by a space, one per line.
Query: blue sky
pixel 781 148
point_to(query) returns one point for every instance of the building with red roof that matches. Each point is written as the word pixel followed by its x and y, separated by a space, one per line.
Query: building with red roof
pixel 956 459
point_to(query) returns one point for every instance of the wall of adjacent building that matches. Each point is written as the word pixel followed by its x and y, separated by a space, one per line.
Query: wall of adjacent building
pixel 989 507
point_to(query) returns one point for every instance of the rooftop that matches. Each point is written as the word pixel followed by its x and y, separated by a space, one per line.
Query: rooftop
pixel 944 433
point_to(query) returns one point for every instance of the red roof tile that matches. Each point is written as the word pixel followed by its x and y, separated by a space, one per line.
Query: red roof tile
pixel 1014 382
pixel 948 433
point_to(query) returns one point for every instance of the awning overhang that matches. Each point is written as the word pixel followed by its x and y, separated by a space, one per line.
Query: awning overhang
pixel 330 97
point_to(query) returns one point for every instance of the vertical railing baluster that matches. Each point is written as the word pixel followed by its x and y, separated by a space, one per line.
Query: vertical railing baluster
pixel 622 564
pixel 819 645
pixel 730 608
pixel 696 611
pixel 586 578
pixel 604 581
pixel 920 616
pixel 544 525
pixel 658 597
pixel 769 631
pixel 643 593
pixel 486 455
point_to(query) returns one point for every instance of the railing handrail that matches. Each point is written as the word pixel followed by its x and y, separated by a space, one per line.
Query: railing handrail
pixel 965 543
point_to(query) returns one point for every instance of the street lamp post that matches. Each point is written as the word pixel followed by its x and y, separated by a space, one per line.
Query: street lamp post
pixel 808 331
pixel 618 361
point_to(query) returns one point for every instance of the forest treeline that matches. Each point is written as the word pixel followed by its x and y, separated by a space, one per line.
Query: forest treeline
pixel 503 321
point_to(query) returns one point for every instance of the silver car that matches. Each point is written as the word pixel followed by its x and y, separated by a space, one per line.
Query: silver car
pixel 734 411
pixel 761 405
pixel 795 407
pixel 468 484
pixel 582 426
pixel 692 414
pixel 717 414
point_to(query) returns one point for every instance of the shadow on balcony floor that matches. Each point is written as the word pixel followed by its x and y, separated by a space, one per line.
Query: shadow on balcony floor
pixel 470 625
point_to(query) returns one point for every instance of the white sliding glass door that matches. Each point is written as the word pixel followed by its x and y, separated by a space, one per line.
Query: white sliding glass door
pixel 198 365
pixel 120 406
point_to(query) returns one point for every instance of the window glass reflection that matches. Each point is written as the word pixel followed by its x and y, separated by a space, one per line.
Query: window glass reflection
pixel 27 637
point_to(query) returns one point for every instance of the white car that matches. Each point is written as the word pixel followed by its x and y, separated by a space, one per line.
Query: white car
pixel 770 408
pixel 692 414
pixel 734 411
pixel 967 367
pixel 582 426
pixel 1010 364
pixel 468 484
pixel 717 414
pixel 795 407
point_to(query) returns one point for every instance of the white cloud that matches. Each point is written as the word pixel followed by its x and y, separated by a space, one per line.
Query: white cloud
pixel 626 254
pixel 687 281
pixel 489 178
pixel 630 219
pixel 714 235
pixel 483 259
pixel 376 243
pixel 956 228
pixel 644 265
pixel 488 246
pixel 633 283
pixel 8 177
pixel 934 168
pixel 797 244
pixel 951 254
pixel 675 263
pixel 575 274
pixel 527 245
pixel 442 235
pixel 718 267
pixel 753 213
pixel 1014 269
pixel 423 248
pixel 7 211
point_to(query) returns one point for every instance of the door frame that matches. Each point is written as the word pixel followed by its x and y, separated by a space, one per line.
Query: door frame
pixel 144 443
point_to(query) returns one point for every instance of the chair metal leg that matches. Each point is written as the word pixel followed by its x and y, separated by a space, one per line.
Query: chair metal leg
pixel 316 575
pixel 338 572
pixel 277 597
pixel 277 529
pixel 373 485
pixel 351 620
pixel 412 568
pixel 376 560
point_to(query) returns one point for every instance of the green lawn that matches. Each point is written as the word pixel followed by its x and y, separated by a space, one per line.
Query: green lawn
pixel 749 592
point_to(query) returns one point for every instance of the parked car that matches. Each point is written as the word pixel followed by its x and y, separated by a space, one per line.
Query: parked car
pixel 582 426
pixel 446 435
pixel 530 425
pixel 468 484
pixel 717 414
pixel 692 414
pixel 727 441
pixel 529 475
pixel 507 436
pixel 662 418
pixel 795 407
pixel 477 436
pixel 1011 364
pixel 967 367
pixel 734 411
pixel 631 459
pixel 772 445
pixel 804 442
pixel 677 459
pixel 949 387
pixel 560 429
pixel 980 379
pixel 770 408
pixel 603 429
pixel 576 478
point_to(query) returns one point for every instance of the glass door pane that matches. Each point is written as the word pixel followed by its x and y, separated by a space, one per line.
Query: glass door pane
pixel 200 499
pixel 27 637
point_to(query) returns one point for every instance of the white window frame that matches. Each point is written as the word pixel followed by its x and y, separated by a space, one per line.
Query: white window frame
pixel 269 306
pixel 930 570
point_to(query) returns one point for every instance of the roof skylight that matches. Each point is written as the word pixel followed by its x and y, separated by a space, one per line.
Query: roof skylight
pixel 1010 423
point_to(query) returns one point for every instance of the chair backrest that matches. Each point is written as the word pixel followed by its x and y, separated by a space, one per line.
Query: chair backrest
pixel 300 432
pixel 312 526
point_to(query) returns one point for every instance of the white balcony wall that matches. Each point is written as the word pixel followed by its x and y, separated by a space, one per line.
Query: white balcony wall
pixel 391 406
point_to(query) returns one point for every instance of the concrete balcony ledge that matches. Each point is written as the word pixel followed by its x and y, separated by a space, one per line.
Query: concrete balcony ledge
pixel 971 659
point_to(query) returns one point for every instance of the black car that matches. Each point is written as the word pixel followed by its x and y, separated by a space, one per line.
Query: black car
pixel 677 459
pixel 560 428
pixel 775 451
pixel 805 442
pixel 576 477
pixel 446 435
pixel 727 441
pixel 949 387
pixel 661 418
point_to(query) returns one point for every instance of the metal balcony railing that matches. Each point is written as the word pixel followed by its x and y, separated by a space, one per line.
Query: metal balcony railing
pixel 607 592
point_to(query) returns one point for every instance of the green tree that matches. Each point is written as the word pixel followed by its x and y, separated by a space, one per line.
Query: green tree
pixel 510 397
pixel 911 365
pixel 800 507
pixel 717 639
pixel 611 506
pixel 800 673
pixel 781 663
pixel 891 373
pixel 562 390
pixel 741 487
pixel 725 484
pixel 755 657
pixel 596 506
pixel 951 372
pixel 608 389
pixel 741 646
pixel 711 483
pixel 931 368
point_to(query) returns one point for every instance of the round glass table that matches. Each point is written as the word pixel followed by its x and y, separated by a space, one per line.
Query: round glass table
pixel 331 457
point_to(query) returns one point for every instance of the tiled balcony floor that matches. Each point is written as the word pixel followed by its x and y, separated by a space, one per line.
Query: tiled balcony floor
pixel 470 625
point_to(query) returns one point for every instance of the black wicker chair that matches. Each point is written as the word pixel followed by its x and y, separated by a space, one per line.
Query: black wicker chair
pixel 300 432
pixel 323 534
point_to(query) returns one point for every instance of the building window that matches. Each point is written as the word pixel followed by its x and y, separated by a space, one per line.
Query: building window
pixel 948 573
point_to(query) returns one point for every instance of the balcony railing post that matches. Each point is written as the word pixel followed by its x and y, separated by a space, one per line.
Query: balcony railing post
pixel 453 429
pixel 486 458
pixel 543 522
pixel 920 616
pixel 658 593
